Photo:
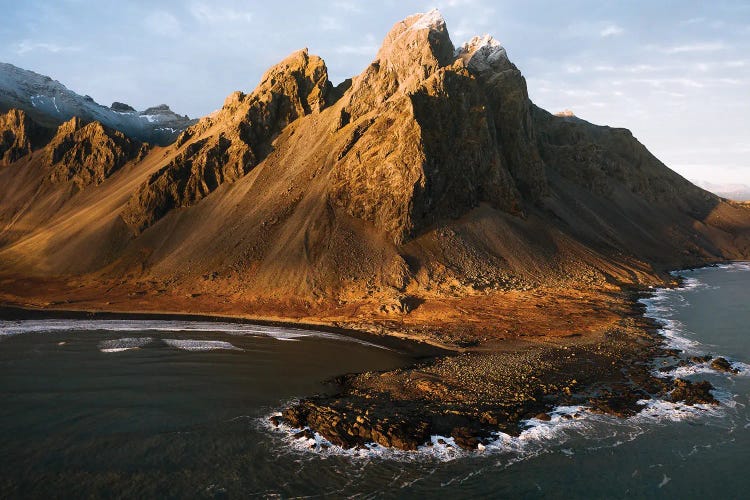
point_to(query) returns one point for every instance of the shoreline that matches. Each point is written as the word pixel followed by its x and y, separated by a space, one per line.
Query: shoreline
pixel 467 393
pixel 303 421
pixel 411 347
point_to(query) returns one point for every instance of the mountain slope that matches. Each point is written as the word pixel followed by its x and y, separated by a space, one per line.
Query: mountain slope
pixel 50 103
pixel 427 184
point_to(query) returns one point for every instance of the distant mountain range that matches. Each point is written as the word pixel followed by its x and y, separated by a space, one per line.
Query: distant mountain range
pixel 49 102
pixel 737 192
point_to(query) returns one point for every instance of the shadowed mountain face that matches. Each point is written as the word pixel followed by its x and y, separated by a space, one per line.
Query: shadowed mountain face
pixel 429 174
pixel 50 103
pixel 20 135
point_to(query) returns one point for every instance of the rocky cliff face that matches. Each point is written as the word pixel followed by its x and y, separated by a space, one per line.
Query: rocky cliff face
pixel 227 146
pixel 446 158
pixel 19 136
pixel 50 103
pixel 86 154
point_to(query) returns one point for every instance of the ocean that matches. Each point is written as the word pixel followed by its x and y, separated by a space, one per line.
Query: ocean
pixel 175 408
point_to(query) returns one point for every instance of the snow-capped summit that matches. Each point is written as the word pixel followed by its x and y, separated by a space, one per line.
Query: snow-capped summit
pixel 482 53
pixel 430 20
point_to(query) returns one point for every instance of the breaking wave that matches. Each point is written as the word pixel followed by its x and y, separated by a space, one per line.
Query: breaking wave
pixel 124 344
pixel 284 333
pixel 200 345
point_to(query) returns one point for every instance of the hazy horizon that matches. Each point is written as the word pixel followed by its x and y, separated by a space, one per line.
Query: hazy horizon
pixel 676 74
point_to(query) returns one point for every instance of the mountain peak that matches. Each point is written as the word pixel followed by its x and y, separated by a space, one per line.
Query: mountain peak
pixel 483 53
pixel 19 135
pixel 420 36
pixel 121 107
pixel 432 20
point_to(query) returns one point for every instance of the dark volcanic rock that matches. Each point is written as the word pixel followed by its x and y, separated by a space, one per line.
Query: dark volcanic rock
pixel 692 393
pixel 351 422
pixel 722 365
pixel 465 438
pixel 122 107
pixel 624 404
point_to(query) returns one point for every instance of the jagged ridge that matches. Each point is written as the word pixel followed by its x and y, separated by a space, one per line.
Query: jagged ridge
pixel 86 154
pixel 240 136
pixel 430 173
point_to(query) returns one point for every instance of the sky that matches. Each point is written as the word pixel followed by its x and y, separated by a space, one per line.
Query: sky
pixel 676 73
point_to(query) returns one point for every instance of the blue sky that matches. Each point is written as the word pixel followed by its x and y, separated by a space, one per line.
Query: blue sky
pixel 677 73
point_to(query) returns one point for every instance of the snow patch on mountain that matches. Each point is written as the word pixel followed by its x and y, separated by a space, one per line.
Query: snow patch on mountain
pixel 431 20
pixel 483 53
pixel 48 101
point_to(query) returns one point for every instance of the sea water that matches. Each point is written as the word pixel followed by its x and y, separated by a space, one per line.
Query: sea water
pixel 145 408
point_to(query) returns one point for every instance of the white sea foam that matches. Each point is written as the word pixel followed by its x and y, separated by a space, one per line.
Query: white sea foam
pixel 736 267
pixel 200 345
pixel 742 370
pixel 663 304
pixel 127 325
pixel 124 344
pixel 537 437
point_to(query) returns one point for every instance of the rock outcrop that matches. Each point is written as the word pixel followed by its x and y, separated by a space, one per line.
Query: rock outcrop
pixel 227 146
pixel 693 393
pixel 86 154
pixel 446 158
pixel 510 107
pixel 19 136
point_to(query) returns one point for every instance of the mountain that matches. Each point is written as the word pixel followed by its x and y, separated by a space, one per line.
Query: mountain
pixel 736 192
pixel 50 103
pixel 420 196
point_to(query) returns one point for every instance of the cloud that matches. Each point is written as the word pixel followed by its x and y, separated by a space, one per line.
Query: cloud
pixel 456 3
pixel 670 82
pixel 215 14
pixel 328 23
pixel 583 29
pixel 736 64
pixel 611 30
pixel 26 46
pixel 163 23
pixel 347 5
pixel 695 47
pixel 662 82
pixel 635 68
pixel 693 20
